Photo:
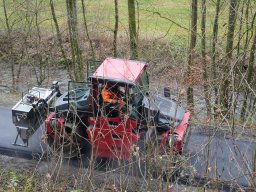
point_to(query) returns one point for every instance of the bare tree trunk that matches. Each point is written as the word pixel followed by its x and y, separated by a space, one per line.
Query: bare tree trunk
pixel 87 32
pixel 132 29
pixel 235 75
pixel 73 35
pixel 190 94
pixel 41 77
pixel 26 39
pixel 240 30
pixel 6 18
pixel 229 51
pixel 10 43
pixel 116 29
pixel 246 45
pixel 203 50
pixel 247 38
pixel 138 20
pixel 254 166
pixel 66 62
pixel 15 71
pixel 250 70
pixel 214 42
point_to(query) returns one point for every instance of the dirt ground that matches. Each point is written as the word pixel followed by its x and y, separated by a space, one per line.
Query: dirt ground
pixel 18 174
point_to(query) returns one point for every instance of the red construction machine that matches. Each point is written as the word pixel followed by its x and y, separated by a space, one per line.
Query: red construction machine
pixel 83 120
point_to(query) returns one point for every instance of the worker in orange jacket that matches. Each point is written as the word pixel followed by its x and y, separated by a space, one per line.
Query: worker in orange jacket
pixel 109 95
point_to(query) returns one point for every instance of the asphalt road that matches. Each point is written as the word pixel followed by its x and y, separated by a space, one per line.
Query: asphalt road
pixel 229 160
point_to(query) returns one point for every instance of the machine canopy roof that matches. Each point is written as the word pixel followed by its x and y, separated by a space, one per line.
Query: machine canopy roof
pixel 119 70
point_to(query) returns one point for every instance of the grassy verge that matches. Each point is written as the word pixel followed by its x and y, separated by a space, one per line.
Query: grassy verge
pixel 173 20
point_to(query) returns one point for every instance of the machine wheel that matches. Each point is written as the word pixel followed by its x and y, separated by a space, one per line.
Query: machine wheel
pixel 102 163
pixel 173 176
pixel 73 143
pixel 172 170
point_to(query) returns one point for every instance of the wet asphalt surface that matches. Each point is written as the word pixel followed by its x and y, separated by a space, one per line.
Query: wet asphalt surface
pixel 227 159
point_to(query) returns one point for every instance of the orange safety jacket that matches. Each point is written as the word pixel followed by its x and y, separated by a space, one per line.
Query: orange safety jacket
pixel 108 96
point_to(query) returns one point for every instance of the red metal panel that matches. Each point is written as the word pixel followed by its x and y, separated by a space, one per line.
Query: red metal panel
pixel 180 130
pixel 49 130
pixel 182 127
pixel 112 141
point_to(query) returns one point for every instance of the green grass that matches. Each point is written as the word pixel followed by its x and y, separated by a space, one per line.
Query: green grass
pixel 100 17
pixel 11 180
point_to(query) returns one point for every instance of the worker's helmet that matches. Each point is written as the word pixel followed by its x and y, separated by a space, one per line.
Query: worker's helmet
pixel 113 88
pixel 107 86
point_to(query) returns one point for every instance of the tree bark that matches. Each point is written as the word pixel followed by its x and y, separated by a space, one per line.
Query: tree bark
pixel 41 76
pixel 203 51
pixel 10 42
pixel 132 29
pixel 77 63
pixel 250 70
pixel 116 29
pixel 190 94
pixel 214 42
pixel 229 51
pixel 57 28
pixel 87 32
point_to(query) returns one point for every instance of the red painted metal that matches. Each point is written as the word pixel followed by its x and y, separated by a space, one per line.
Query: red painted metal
pixel 112 137
pixel 127 70
pixel 180 130
pixel 49 129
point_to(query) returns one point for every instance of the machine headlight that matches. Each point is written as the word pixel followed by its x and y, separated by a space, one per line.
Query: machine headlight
pixel 172 140
pixel 54 123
